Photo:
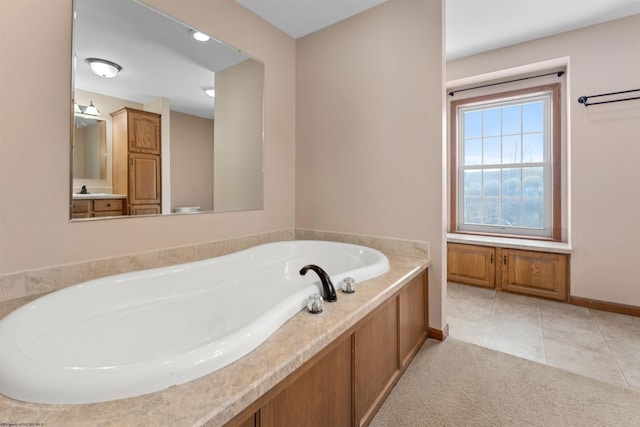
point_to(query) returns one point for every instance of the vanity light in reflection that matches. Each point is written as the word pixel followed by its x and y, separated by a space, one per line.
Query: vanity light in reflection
pixel 90 109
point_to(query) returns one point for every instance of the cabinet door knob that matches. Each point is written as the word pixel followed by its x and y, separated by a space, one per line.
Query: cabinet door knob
pixel 491 258
pixel 505 260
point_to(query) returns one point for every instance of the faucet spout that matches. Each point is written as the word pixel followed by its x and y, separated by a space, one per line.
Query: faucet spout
pixel 329 291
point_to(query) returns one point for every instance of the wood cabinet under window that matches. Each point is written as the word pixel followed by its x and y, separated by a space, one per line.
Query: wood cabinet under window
pixel 534 273
pixel 527 272
pixel 93 208
pixel 346 383
pixel 473 265
pixel 137 160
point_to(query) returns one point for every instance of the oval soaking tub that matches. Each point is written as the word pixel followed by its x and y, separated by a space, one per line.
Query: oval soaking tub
pixel 136 333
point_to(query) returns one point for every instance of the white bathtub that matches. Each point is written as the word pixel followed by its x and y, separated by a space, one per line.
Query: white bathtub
pixel 137 333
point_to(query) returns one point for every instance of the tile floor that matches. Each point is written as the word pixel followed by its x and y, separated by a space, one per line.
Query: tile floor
pixel 594 343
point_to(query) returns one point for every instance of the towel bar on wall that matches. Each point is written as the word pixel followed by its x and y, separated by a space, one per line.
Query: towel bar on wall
pixel 583 99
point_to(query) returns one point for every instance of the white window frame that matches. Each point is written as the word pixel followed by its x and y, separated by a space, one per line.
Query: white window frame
pixel 550 96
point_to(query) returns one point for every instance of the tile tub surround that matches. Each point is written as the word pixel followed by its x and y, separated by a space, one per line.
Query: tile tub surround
pixel 37 282
pixel 412 248
pixel 216 398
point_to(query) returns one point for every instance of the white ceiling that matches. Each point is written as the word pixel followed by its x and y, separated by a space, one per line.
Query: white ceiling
pixel 158 55
pixel 472 26
pixel 159 58
pixel 301 17
pixel 475 26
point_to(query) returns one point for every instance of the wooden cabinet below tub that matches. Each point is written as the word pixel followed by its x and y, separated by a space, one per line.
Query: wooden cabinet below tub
pixel 346 383
pixel 94 208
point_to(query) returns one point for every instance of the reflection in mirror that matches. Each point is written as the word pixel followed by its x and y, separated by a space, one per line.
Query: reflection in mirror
pixel 89 148
pixel 161 133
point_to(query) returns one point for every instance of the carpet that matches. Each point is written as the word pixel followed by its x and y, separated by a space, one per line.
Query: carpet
pixel 454 383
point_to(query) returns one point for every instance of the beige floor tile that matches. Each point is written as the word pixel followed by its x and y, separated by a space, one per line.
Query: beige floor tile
pixel 519 323
pixel 617 325
pixel 451 288
pixel 588 340
pixel 522 306
pixel 558 315
pixel 599 365
pixel 479 298
pixel 515 333
pixel 465 310
pixel 597 344
pixel 513 342
pixel 466 330
pixel 627 355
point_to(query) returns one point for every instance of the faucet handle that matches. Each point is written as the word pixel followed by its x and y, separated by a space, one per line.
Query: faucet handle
pixel 348 285
pixel 315 304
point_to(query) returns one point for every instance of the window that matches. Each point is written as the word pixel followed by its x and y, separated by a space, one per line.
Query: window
pixel 505 155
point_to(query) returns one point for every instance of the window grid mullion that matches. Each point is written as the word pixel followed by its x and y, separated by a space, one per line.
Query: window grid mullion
pixel 499 199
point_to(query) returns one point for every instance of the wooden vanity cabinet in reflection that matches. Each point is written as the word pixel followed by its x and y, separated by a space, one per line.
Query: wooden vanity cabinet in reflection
pixel 136 160
pixel 94 208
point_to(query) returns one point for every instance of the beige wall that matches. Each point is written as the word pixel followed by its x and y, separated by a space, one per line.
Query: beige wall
pixel 603 150
pixel 237 150
pixel 369 104
pixel 35 155
pixel 191 161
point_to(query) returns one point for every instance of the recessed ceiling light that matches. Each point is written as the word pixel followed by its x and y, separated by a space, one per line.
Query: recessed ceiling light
pixel 211 92
pixel 104 68
pixel 201 37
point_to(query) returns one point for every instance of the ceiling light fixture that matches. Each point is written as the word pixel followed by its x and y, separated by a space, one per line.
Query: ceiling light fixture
pixel 104 68
pixel 201 37
pixel 210 91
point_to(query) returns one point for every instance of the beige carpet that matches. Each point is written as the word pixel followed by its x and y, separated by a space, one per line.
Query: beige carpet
pixel 454 383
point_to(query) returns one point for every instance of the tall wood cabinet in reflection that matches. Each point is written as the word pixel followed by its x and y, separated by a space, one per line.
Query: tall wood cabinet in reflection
pixel 136 160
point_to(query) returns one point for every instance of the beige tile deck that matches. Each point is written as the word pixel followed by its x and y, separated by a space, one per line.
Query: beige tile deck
pixel 593 343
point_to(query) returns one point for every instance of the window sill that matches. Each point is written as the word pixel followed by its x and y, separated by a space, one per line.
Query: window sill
pixel 510 243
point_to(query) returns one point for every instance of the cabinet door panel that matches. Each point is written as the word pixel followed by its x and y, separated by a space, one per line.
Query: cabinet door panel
pixel 144 132
pixel 376 360
pixel 80 206
pixel 472 265
pixel 413 317
pixel 144 179
pixel 319 397
pixel 145 210
pixel 534 273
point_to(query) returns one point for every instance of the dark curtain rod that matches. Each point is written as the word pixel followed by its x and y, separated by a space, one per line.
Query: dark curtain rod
pixel 558 73
pixel 583 99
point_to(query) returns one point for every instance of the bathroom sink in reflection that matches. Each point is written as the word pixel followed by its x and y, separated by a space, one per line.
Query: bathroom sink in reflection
pixel 98 196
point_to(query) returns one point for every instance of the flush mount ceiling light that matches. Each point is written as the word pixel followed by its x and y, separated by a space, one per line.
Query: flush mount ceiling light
pixel 104 68
pixel 201 37
pixel 210 91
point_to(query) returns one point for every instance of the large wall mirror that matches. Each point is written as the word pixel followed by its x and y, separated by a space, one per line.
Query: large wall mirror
pixel 166 119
